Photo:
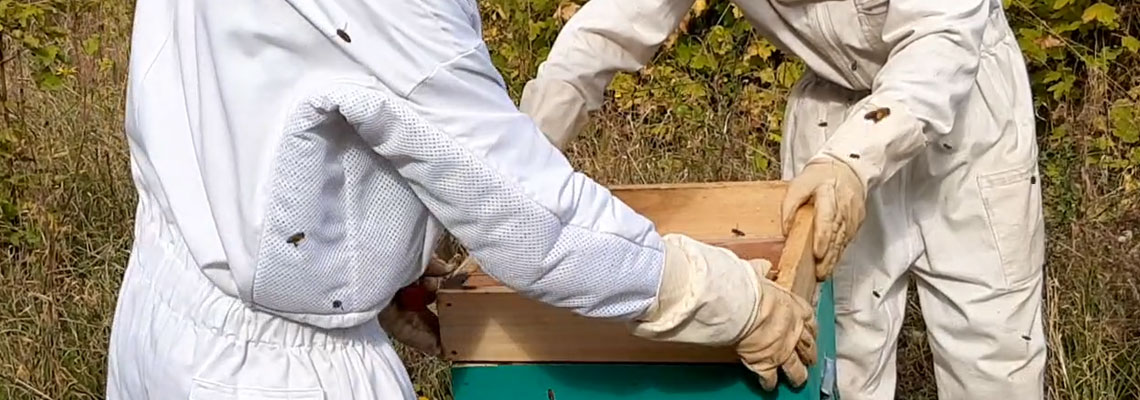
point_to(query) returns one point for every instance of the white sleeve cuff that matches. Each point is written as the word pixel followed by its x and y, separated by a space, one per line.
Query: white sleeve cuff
pixel 879 136
pixel 707 295
pixel 556 107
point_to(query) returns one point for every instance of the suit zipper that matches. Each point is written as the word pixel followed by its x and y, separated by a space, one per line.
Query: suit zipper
pixel 822 16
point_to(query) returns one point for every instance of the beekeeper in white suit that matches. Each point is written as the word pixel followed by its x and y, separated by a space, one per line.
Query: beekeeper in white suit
pixel 296 162
pixel 913 127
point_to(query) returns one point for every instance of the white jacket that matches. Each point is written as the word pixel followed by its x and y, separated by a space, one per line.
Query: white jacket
pixel 311 151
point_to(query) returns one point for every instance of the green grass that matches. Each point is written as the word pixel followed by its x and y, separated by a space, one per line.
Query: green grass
pixel 64 244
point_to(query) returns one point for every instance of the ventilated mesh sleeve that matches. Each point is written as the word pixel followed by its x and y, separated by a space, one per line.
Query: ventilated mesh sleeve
pixel 491 178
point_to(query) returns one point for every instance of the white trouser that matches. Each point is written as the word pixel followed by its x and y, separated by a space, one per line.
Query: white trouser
pixel 176 336
pixel 964 221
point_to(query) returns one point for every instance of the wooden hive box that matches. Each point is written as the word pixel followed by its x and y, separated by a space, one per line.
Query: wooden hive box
pixel 485 322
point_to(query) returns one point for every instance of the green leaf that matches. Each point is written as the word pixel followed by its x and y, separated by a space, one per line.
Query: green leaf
pixel 32 42
pixel 1030 34
pixel 1028 41
pixel 736 11
pixel 683 111
pixel 759 161
pixel 1125 126
pixel 1062 89
pixel 1053 76
pixel 535 30
pixel 787 74
pixel 27 13
pixel 49 81
pixel 768 75
pixel 1059 4
pixel 1101 143
pixel 1060 131
pixel 1100 12
pixel 720 40
pixel 540 4
pixel 55 31
pixel 694 91
pixel 499 61
pixel 685 53
pixel 1131 43
pixel 8 210
pixel 1069 27
pixel 47 55
pixel 91 45
pixel 703 61
pixel 761 49
pixel 1111 53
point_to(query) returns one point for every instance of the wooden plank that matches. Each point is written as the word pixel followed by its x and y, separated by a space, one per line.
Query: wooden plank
pixel 495 326
pixel 795 270
pixel 486 322
pixel 709 211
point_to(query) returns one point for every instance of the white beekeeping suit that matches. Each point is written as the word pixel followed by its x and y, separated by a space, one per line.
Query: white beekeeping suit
pixel 912 128
pixel 296 162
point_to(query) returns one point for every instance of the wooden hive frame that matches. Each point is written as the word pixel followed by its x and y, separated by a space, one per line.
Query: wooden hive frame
pixel 485 322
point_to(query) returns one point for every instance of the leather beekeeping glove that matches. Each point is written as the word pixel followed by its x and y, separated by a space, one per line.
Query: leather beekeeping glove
pixel 710 296
pixel 407 318
pixel 840 206
pixel 878 137
pixel 418 329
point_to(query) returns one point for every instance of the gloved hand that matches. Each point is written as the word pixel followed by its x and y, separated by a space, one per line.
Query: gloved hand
pixel 710 296
pixel 879 136
pixel 418 329
pixel 407 318
pixel 840 199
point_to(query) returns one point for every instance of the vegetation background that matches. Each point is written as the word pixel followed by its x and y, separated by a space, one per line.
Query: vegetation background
pixel 709 108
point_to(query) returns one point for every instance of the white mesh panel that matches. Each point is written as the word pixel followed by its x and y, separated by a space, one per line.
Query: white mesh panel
pixel 363 227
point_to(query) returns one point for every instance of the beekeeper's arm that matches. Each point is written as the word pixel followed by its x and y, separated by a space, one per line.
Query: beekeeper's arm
pixel 603 38
pixel 913 101
pixel 487 173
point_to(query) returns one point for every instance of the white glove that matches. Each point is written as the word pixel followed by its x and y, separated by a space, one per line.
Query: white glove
pixel 710 296
pixel 840 206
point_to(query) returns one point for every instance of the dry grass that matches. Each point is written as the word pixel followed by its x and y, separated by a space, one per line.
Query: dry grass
pixel 57 290
pixel 59 278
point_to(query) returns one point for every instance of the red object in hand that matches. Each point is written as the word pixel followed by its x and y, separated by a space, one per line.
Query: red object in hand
pixel 414 297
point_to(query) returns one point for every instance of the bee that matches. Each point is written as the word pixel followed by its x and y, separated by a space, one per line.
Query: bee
pixel 343 35
pixel 878 114
pixel 737 232
pixel 296 238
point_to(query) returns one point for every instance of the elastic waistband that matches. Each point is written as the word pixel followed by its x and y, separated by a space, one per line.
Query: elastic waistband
pixel 162 267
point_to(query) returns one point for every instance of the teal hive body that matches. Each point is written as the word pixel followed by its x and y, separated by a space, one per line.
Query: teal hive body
pixel 592 381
